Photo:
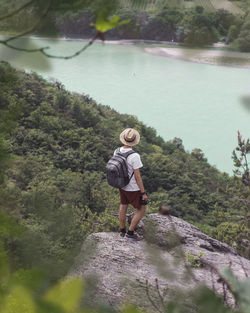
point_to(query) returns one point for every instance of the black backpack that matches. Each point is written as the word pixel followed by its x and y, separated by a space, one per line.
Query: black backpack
pixel 117 169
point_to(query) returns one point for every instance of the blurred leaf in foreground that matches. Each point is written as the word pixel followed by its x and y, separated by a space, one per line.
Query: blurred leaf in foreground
pixel 66 294
pixel 240 289
pixel 105 23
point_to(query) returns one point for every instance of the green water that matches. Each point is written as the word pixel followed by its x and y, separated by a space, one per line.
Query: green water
pixel 201 104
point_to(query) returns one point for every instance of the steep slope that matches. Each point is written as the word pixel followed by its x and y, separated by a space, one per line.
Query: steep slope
pixel 56 185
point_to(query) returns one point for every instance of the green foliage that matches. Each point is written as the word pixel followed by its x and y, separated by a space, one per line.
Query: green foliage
pixel 61 144
pixel 65 295
pixel 172 22
pixel 192 24
pixel 201 298
pixel 10 111
pixel 53 214
pixel 9 227
pixel 233 33
pixel 207 301
pixel 240 290
pixel 240 158
pixel 195 261
pixel 235 234
pixel 56 185
pixel 19 296
pixel 228 232
pixel 98 222
pixel 199 28
pixel 57 191
pixel 105 23
pixel 243 40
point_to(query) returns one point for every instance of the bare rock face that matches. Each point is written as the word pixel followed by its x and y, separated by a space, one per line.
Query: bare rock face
pixel 144 272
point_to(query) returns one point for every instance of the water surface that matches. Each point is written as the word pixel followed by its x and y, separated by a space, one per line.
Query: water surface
pixel 201 104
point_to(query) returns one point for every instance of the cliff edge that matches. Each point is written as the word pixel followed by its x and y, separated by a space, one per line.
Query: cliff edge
pixel 175 255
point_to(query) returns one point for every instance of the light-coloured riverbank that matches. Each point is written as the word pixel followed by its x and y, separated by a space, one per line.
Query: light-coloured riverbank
pixel 216 54
pixel 115 42
pixel 204 56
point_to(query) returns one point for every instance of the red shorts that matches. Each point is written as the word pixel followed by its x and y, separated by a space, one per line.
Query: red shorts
pixel 130 197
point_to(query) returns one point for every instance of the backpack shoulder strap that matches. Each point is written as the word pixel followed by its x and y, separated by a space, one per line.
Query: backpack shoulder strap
pixel 126 154
pixel 130 152
pixel 131 176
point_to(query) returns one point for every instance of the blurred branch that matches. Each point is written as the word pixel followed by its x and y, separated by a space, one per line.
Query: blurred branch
pixel 212 280
pixel 222 279
pixel 182 252
pixel 7 15
pixel 242 266
pixel 31 29
pixel 224 293
pixel 150 299
pixel 42 50
pixel 103 24
pixel 73 55
pixel 23 49
pixel 159 293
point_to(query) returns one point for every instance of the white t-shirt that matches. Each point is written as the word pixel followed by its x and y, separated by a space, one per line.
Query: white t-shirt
pixel 134 162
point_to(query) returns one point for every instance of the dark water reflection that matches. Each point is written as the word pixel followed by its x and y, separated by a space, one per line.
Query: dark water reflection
pixel 245 101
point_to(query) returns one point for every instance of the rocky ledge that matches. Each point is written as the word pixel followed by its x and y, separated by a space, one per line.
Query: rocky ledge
pixel 175 255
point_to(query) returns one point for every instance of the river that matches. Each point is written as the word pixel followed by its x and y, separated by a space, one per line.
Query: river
pixel 201 104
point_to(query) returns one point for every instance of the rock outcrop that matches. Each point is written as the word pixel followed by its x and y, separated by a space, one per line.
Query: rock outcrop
pixel 136 272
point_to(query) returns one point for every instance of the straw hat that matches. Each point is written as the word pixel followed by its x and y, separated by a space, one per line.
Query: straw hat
pixel 130 137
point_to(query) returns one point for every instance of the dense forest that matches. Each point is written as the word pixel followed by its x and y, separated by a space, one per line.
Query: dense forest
pixel 191 26
pixel 55 145
pixel 195 23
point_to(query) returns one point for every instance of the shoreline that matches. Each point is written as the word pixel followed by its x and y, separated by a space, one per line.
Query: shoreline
pixel 218 54
pixel 204 56
pixel 120 41
pixel 108 41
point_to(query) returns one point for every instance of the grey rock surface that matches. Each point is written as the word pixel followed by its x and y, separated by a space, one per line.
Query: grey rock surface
pixel 130 271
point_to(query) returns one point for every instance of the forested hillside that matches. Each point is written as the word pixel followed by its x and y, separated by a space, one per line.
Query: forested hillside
pixel 195 23
pixel 56 187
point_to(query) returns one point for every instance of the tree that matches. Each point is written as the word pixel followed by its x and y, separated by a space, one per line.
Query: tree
pixel 233 32
pixel 199 28
pixel 170 17
pixel 243 40
pixel 44 9
pixel 223 20
pixel 240 158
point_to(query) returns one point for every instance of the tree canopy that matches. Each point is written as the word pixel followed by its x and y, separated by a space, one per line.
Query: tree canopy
pixel 61 142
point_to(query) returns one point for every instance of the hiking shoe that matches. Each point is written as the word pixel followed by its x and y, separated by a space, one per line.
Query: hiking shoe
pixel 134 237
pixel 122 234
